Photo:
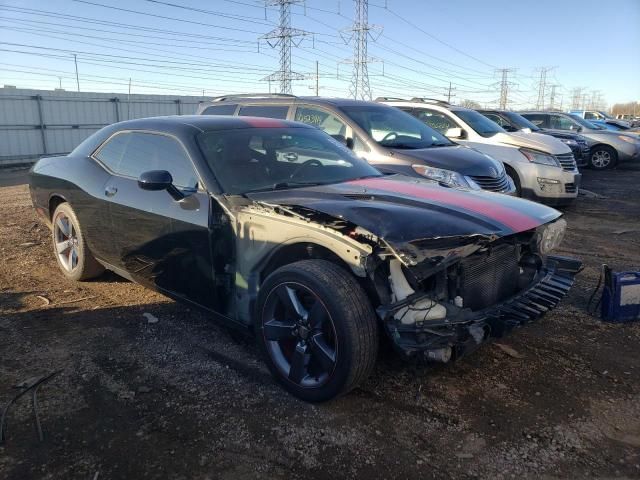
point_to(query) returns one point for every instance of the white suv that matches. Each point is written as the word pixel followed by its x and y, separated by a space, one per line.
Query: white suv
pixel 542 167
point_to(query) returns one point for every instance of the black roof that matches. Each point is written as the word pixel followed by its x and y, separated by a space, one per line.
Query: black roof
pixel 176 123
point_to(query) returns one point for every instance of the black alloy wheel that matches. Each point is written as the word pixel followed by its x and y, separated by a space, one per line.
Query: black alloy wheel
pixel 317 329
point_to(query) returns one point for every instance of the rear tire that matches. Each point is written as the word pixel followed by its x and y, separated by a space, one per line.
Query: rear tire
pixel 603 157
pixel 317 329
pixel 70 248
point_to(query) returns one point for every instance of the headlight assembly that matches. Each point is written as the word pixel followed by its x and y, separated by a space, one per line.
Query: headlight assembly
pixel 539 157
pixel 569 141
pixel 446 177
pixel 550 236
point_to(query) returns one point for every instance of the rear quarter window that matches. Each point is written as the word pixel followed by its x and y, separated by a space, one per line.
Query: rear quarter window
pixel 228 109
pixel 269 111
pixel 111 152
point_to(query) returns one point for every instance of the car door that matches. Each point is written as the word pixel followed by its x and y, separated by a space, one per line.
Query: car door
pixel 162 242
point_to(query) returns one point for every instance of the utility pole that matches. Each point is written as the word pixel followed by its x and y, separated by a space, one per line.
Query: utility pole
pixel 542 87
pixel 359 34
pixel 317 78
pixel 449 95
pixel 504 86
pixel 75 59
pixel 284 37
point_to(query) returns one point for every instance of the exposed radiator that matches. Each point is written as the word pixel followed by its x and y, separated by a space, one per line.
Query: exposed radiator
pixel 489 277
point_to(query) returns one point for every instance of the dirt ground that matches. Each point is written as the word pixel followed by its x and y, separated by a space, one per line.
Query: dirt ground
pixel 186 398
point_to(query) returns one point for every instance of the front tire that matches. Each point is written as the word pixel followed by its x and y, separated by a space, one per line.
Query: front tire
pixel 70 248
pixel 603 157
pixel 317 329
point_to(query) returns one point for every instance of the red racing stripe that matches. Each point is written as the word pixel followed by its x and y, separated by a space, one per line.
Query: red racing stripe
pixel 515 220
pixel 261 122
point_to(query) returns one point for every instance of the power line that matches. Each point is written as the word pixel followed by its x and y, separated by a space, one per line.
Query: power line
pixel 193 22
pixel 430 35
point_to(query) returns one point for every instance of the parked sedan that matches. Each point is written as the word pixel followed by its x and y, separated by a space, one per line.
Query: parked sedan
pixel 607 148
pixel 316 257
pixel 514 122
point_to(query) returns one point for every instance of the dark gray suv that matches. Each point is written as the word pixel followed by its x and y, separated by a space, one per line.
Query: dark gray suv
pixel 388 138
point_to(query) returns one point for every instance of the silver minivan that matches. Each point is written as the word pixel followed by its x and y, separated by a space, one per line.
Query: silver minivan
pixel 391 140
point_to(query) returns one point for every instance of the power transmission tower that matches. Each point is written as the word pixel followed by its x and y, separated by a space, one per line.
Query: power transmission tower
pixel 576 96
pixel 504 86
pixel 552 99
pixel 284 37
pixel 542 87
pixel 359 34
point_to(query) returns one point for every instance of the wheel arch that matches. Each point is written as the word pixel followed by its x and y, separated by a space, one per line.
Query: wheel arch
pixel 55 200
pixel 294 252
pixel 600 145
pixel 289 253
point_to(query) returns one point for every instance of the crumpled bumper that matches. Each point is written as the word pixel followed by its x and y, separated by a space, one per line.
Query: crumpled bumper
pixel 462 333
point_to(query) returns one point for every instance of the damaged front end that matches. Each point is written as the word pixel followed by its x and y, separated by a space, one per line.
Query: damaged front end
pixel 447 269
pixel 445 302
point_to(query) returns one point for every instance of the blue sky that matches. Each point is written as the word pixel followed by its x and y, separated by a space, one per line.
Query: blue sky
pixel 423 46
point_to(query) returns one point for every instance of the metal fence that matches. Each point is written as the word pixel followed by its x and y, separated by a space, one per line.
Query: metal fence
pixel 36 123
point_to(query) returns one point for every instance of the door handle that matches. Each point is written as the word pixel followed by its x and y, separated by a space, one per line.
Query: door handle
pixel 110 191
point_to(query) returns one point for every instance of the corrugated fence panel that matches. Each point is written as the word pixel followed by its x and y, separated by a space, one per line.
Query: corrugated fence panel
pixel 21 110
pixel 151 109
pixel 20 143
pixel 64 140
pixel 70 117
pixel 78 112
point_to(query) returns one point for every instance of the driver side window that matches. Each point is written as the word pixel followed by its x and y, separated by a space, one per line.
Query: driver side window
pixel 436 120
pixel 132 153
pixel 326 122
pixel 561 123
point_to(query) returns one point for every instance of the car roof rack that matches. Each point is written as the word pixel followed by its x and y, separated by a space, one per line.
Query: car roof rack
pixel 429 100
pixel 390 99
pixel 252 95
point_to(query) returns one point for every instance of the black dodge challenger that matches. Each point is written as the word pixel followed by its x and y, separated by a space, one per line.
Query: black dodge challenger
pixel 276 226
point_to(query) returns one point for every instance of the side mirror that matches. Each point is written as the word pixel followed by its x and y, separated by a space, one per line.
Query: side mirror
pixel 509 128
pixel 350 143
pixel 456 133
pixel 156 180
pixel 347 142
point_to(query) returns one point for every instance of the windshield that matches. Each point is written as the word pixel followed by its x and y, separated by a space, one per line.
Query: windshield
pixel 392 128
pixel 585 123
pixel 479 123
pixel 520 122
pixel 263 159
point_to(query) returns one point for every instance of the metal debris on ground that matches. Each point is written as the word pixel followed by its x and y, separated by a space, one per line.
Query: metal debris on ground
pixel 30 385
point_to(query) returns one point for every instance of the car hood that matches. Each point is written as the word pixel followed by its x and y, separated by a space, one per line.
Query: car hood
pixel 464 160
pixel 558 133
pixel 415 217
pixel 534 141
